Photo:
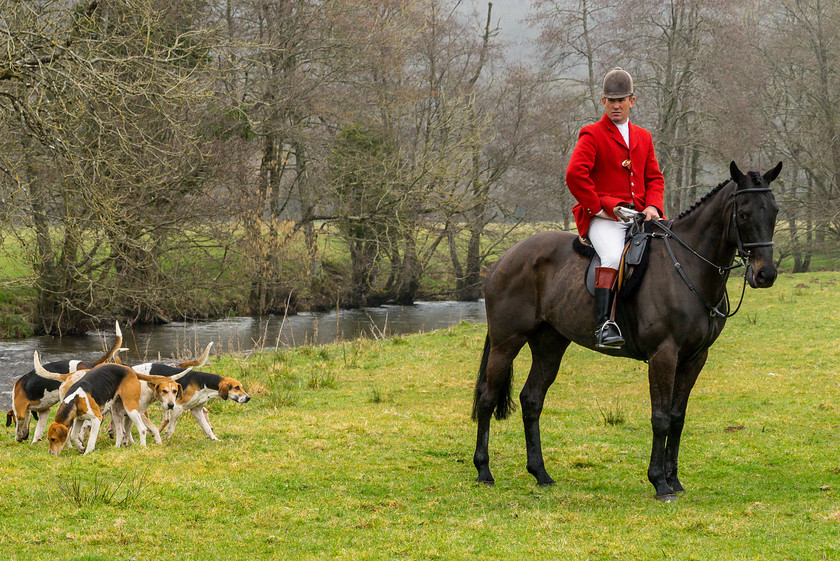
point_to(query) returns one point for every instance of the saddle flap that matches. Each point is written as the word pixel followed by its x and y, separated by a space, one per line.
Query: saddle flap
pixel 594 263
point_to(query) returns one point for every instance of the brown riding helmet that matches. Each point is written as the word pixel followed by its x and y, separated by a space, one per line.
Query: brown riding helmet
pixel 617 84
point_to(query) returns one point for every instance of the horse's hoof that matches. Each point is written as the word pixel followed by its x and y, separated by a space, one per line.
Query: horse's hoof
pixel 486 479
pixel 549 483
pixel 668 498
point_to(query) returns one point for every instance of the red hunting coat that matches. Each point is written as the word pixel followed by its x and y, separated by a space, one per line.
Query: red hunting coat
pixel 603 173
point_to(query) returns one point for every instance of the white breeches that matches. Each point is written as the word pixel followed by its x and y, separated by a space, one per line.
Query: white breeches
pixel 607 237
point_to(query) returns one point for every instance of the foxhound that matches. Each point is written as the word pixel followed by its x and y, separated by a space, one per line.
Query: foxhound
pixel 167 393
pixel 34 395
pixel 96 391
pixel 197 388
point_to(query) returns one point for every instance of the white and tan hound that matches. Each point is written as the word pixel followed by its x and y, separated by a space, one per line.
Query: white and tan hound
pixel 197 388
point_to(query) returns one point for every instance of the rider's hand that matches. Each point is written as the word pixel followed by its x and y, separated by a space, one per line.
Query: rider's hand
pixel 651 213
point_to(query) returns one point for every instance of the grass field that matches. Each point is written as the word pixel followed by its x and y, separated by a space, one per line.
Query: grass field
pixel 364 451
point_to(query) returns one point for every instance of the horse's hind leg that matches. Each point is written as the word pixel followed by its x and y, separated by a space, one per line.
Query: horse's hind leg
pixel 492 393
pixel 686 377
pixel 547 348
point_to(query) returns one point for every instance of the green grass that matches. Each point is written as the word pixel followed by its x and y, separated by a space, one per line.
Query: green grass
pixel 373 460
pixel 16 311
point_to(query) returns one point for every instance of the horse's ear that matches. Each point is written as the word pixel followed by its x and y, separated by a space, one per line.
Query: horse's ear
pixel 736 174
pixel 773 173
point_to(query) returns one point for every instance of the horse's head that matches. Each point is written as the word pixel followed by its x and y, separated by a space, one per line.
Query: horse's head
pixel 753 220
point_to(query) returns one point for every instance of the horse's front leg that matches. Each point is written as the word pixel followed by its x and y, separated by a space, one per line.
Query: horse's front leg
pixel 661 375
pixel 547 350
pixel 686 377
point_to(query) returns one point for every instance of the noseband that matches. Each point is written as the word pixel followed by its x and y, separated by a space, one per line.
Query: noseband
pixel 745 249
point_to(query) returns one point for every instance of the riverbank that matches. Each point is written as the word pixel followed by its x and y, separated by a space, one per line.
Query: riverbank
pixel 17 307
pixel 234 335
pixel 363 450
pixel 225 293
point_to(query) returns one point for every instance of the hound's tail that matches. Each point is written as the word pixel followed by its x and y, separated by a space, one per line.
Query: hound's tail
pixel 161 379
pixel 504 403
pixel 43 372
pixel 116 355
pixel 115 348
pixel 200 361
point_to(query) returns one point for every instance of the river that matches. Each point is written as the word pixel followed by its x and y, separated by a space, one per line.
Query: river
pixel 234 335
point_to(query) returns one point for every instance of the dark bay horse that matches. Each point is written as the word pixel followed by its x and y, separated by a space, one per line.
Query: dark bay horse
pixel 535 294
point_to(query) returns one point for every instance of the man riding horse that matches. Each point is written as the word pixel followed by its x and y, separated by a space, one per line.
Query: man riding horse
pixel 613 165
pixel 535 295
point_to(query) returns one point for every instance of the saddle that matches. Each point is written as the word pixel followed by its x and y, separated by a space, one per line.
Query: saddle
pixel 634 260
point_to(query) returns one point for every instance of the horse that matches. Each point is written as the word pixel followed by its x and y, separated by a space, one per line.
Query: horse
pixel 535 294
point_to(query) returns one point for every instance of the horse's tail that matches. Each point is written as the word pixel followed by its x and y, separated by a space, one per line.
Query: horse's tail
pixel 504 402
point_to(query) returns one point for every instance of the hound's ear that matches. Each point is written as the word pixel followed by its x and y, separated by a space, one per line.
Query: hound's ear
pixel 10 417
pixel 155 389
pixel 773 173
pixel 736 174
pixel 224 390
pixel 179 391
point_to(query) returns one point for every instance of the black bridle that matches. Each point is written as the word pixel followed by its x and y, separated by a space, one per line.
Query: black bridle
pixel 744 249
pixel 744 252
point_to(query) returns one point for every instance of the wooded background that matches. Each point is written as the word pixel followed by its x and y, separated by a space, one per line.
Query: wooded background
pixel 166 158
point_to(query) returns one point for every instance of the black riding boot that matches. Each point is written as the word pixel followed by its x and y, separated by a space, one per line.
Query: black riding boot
pixel 608 334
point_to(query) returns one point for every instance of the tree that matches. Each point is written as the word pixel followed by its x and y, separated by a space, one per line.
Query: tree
pixel 362 167
pixel 801 57
pixel 102 158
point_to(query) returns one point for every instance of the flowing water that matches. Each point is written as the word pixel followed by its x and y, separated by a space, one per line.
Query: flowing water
pixel 232 335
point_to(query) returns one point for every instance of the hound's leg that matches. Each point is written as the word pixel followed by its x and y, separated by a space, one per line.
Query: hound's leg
pixel 22 428
pixel 41 426
pixel 77 434
pixel 164 418
pixel 137 419
pixel 201 418
pixel 119 431
pixel 118 424
pixel 174 414
pixel 95 423
pixel 492 392
pixel 152 428
pixel 127 429
pixel 547 348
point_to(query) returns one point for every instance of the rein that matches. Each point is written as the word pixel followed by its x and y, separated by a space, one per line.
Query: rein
pixel 744 252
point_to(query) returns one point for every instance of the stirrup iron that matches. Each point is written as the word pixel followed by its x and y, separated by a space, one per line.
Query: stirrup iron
pixel 609 336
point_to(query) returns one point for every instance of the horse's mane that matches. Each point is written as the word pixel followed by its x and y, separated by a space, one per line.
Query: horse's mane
pixel 705 198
